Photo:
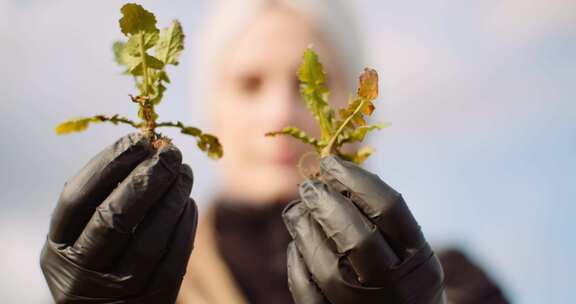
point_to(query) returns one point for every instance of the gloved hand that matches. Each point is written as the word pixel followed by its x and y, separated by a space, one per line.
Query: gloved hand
pixel 355 241
pixel 123 229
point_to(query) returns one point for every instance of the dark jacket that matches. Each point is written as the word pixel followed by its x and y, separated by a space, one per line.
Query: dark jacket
pixel 240 258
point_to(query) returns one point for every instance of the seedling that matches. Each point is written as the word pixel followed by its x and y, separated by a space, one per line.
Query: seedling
pixel 150 76
pixel 347 125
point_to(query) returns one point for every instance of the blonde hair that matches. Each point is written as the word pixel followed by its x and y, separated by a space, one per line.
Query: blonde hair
pixel 331 18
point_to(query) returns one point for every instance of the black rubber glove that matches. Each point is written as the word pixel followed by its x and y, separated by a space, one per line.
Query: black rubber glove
pixel 355 241
pixel 123 229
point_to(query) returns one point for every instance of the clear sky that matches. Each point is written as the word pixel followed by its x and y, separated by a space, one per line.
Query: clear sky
pixel 480 94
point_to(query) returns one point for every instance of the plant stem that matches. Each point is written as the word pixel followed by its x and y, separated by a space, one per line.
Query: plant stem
pixel 117 119
pixel 170 124
pixel 330 147
pixel 325 127
pixel 183 129
pixel 147 107
pixel 144 64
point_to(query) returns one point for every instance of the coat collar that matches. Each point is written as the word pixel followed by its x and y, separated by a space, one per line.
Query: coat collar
pixel 208 279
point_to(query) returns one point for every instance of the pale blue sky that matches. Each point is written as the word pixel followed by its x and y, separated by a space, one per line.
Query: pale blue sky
pixel 480 94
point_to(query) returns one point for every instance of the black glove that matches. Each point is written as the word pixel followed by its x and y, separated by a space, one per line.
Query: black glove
pixel 355 241
pixel 123 229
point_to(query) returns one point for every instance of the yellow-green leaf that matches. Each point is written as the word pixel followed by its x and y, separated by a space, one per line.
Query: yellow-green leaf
pixel 361 155
pixel 315 93
pixel 150 77
pixel 170 44
pixel 152 63
pixel 119 52
pixel 211 145
pixel 136 19
pixel 158 90
pixel 191 131
pixel 141 40
pixel 351 123
pixel 311 70
pixel 75 125
pixel 296 133
pixel 359 133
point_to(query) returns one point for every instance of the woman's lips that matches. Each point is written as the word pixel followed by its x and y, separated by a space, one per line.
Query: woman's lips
pixel 284 158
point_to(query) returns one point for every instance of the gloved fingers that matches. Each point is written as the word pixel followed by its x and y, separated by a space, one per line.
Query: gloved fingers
pixel 152 237
pixel 328 269
pixel 72 283
pixel 378 201
pixel 94 182
pixel 309 239
pixel 303 289
pixel 354 235
pixel 170 272
pixel 106 234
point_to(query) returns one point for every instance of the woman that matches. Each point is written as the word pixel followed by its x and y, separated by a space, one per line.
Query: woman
pixel 350 238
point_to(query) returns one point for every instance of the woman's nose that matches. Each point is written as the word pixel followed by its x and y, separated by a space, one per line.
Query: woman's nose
pixel 282 102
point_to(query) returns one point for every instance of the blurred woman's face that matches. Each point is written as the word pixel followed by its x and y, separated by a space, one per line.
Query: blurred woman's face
pixel 257 92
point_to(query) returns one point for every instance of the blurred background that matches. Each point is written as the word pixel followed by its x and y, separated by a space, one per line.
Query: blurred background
pixel 481 96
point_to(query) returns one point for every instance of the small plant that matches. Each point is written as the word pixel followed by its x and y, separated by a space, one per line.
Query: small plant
pixel 149 73
pixel 347 125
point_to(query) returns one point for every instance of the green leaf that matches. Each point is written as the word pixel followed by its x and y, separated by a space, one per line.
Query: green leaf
pixel 134 45
pixel 170 44
pixel 191 131
pixel 122 57
pixel 150 77
pixel 350 126
pixel 157 87
pixel 311 70
pixel 158 93
pixel 81 124
pixel 136 19
pixel 298 134
pixel 152 63
pixel 361 155
pixel 360 105
pixel 133 53
pixel 352 116
pixel 75 125
pixel 358 134
pixel 315 93
pixel 158 90
pixel 119 52
pixel 162 75
pixel 210 144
